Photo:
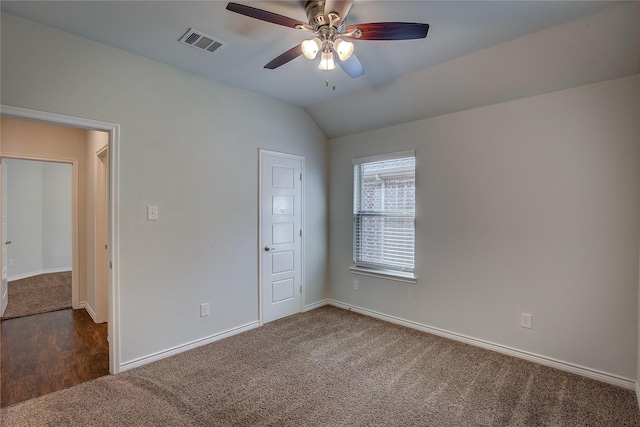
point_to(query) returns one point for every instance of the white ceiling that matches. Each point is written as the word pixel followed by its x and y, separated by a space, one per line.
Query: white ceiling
pixel 476 52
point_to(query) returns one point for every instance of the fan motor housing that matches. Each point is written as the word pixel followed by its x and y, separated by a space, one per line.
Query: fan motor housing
pixel 315 13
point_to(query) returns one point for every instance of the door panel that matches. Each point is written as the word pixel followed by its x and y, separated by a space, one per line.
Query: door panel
pixel 282 262
pixel 280 235
pixel 282 232
pixel 282 290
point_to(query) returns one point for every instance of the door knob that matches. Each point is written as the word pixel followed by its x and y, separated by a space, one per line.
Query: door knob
pixel 268 248
pixel 7 242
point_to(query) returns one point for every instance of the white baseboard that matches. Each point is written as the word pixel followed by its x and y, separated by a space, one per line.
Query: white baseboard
pixel 638 393
pixel 125 366
pixel 37 273
pixel 532 357
pixel 315 305
pixel 90 310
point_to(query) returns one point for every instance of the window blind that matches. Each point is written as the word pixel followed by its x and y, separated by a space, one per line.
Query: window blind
pixel 384 213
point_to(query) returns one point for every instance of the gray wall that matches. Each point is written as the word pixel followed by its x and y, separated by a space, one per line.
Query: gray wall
pixel 56 215
pixel 530 206
pixel 190 146
pixel 38 217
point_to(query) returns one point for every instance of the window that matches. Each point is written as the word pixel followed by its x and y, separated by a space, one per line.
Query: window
pixel 384 195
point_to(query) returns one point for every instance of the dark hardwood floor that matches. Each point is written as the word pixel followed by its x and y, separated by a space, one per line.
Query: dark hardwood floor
pixel 47 352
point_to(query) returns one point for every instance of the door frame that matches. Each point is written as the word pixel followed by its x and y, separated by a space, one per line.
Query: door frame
pixel 4 251
pixel 100 217
pixel 113 280
pixel 75 230
pixel 261 153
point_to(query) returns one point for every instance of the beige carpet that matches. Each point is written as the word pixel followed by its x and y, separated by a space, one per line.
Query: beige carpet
pixel 332 367
pixel 38 294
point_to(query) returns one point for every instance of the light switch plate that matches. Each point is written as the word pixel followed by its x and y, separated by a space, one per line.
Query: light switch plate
pixel 204 309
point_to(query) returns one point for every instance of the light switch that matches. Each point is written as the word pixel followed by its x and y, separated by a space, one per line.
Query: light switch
pixel 152 213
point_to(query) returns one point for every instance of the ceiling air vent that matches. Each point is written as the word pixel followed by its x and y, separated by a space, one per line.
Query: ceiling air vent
pixel 201 41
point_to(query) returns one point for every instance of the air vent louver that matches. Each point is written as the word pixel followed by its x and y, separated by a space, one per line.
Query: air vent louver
pixel 201 41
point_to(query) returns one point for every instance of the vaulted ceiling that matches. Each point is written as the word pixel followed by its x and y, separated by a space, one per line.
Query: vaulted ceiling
pixel 476 52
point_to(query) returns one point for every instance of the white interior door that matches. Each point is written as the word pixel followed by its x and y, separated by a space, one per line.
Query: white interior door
pixel 280 235
pixel 4 289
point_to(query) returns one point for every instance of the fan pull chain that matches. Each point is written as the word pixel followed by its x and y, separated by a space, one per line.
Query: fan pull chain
pixel 330 76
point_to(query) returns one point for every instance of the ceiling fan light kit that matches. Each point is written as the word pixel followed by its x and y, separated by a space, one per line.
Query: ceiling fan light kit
pixel 344 49
pixel 310 48
pixel 326 61
pixel 327 23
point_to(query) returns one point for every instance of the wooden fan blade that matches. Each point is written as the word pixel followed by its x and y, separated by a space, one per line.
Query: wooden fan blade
pixel 351 66
pixel 292 53
pixel 390 31
pixel 264 15
pixel 341 7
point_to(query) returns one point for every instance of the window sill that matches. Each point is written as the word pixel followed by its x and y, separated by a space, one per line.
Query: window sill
pixel 385 274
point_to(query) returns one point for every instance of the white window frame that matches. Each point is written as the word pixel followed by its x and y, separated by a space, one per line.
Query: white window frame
pixel 382 270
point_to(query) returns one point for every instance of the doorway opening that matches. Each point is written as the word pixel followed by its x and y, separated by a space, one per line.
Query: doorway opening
pixel 95 247
pixel 37 205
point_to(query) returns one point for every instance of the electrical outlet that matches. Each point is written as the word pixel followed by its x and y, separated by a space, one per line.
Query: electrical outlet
pixel 356 285
pixel 204 309
pixel 10 262
pixel 152 213
pixel 525 320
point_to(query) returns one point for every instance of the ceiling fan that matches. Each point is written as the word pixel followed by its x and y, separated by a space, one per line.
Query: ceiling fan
pixel 329 31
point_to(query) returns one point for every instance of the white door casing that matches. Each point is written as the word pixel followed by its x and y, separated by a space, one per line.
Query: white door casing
pixel 281 209
pixel 4 289
pixel 101 236
pixel 113 130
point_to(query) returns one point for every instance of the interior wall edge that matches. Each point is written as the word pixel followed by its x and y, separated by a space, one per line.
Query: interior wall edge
pixel 584 371
pixel 315 305
pixel 163 354
pixel 37 273
pixel 91 312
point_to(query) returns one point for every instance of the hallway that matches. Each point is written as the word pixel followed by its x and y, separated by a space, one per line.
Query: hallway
pixel 47 352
